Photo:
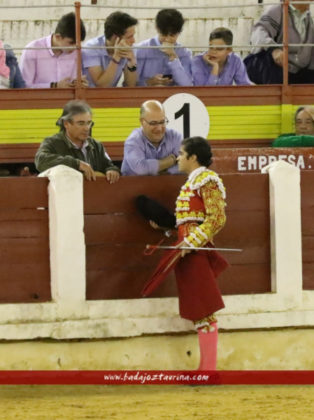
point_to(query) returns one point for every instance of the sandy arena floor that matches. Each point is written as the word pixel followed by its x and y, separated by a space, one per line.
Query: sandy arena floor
pixel 151 402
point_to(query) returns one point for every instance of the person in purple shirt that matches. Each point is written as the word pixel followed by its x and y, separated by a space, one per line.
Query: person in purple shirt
pixel 167 63
pixel 52 64
pixel 153 148
pixel 219 65
pixel 110 55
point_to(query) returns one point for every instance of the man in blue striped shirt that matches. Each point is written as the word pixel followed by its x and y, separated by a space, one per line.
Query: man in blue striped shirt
pixel 151 149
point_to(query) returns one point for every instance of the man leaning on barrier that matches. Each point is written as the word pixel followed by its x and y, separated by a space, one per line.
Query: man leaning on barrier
pixel 74 147
pixel 151 149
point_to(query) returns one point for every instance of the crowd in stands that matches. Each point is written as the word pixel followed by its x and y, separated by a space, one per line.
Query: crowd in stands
pixel 161 61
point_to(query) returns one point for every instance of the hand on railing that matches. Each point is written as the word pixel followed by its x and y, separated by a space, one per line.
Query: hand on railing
pixel 88 171
pixel 84 82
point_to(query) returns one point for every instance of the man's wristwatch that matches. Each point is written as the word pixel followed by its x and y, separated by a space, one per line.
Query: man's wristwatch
pixel 131 69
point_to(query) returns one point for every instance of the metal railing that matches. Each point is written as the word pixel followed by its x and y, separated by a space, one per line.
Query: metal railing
pixel 77 5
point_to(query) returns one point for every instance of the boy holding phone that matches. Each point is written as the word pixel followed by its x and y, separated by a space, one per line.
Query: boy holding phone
pixel 166 65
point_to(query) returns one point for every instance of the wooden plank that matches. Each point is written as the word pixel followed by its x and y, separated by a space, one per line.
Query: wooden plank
pixel 108 231
pixel 23 192
pixel 24 283
pixel 123 285
pixel 24 251
pixel 24 229
pixel 308 275
pixel 97 194
pixel 166 188
pixel 10 214
pixel 244 279
pixel 127 283
pixel 35 98
pixel 307 209
pixel 308 248
pixel 130 97
pixel 307 180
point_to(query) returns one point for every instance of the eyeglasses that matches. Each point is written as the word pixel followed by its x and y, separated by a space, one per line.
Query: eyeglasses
pixel 306 122
pixel 83 123
pixel 155 123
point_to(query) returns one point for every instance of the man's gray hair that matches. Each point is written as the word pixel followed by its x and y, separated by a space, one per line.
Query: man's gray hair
pixel 71 109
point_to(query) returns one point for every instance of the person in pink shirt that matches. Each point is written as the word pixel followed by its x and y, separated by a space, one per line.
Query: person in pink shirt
pixel 52 64
pixel 4 69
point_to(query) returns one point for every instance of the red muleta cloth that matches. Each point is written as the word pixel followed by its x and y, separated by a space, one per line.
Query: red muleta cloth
pixel 196 273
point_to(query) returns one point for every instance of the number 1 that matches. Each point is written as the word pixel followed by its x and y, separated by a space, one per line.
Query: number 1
pixel 185 111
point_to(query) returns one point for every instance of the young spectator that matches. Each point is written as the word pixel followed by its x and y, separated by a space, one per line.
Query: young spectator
pixel 264 65
pixel 304 130
pixel 103 64
pixel 4 69
pixel 51 64
pixel 16 78
pixel 153 148
pixel 219 65
pixel 169 64
pixel 10 75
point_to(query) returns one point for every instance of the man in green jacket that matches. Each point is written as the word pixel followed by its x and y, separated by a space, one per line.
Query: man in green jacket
pixel 74 147
pixel 304 130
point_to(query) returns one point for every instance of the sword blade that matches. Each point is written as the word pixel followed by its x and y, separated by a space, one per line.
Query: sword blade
pixel 194 249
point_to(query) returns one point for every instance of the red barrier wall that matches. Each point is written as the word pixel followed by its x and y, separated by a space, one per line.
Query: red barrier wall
pixel 24 240
pixel 116 235
pixel 307 205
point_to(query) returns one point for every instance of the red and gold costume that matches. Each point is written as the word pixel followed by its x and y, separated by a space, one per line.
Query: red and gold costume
pixel 200 214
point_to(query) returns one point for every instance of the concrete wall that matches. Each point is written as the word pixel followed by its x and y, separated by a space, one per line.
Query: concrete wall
pixel 239 350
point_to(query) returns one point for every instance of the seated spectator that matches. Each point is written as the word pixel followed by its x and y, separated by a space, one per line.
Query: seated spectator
pixel 219 65
pixel 264 65
pixel 103 64
pixel 169 64
pixel 10 75
pixel 74 147
pixel 304 130
pixel 4 69
pixel 51 64
pixel 153 148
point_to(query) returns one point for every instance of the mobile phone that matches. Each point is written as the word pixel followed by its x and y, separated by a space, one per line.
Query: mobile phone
pixel 168 76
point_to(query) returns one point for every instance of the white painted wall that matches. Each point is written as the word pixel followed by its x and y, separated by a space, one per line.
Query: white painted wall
pixel 71 316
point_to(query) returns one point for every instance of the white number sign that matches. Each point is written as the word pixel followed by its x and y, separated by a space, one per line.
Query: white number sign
pixel 187 114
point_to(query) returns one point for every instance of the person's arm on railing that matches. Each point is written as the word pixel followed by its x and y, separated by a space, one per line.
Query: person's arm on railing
pixel 266 30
